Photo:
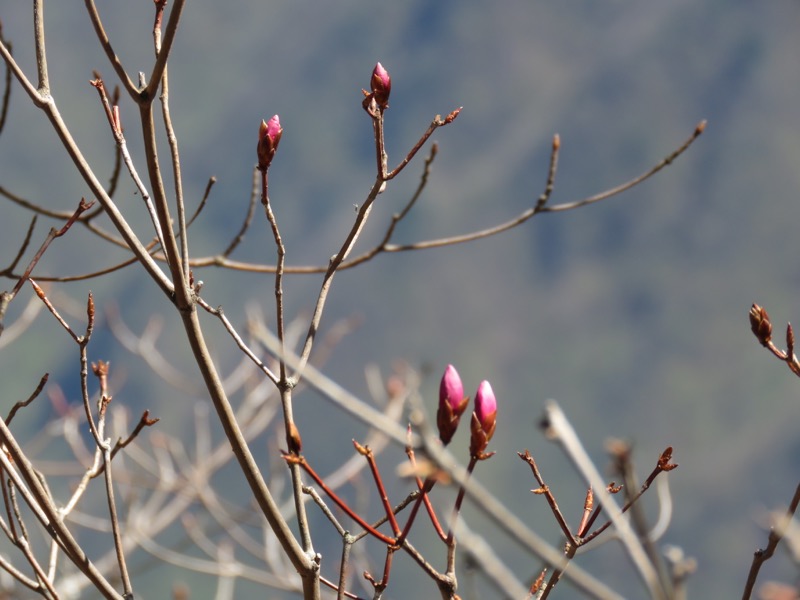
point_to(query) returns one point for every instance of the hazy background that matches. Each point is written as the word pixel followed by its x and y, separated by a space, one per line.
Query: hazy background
pixel 631 313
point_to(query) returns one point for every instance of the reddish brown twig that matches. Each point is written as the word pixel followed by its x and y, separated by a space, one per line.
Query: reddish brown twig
pixel 544 490
pixel 381 585
pixel 663 465
pixel 368 454
pixel 424 488
pixel 144 421
pixel 301 461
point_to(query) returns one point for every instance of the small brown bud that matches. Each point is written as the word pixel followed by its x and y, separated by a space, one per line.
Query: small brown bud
pixel 664 460
pixel 362 450
pixel 537 585
pixel 100 368
pixel 90 308
pixel 452 116
pixel 37 288
pixel 760 324
pixel 701 127
pixel 294 440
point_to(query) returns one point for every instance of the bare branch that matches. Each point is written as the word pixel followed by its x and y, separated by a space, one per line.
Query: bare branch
pixel 30 399
pixel 775 535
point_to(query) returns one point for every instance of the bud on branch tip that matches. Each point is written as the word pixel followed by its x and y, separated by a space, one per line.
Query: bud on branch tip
pixel 381 86
pixel 269 135
pixel 486 408
pixel 760 324
pixel 452 404
pixel 484 420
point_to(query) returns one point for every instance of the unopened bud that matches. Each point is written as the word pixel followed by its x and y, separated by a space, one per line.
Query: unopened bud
pixel 760 324
pixel 269 135
pixel 381 85
pixel 484 420
pixel 294 440
pixel 452 404
pixel 452 116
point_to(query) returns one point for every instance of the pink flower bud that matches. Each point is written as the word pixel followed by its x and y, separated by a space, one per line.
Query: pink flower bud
pixel 452 404
pixel 269 135
pixel 484 420
pixel 486 406
pixel 451 390
pixel 381 85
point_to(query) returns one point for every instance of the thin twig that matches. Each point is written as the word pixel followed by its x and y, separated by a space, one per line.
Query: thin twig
pixel 220 314
pixel 47 104
pixel 559 429
pixel 42 506
pixel 52 235
pixel 113 116
pixel 761 326
pixel 172 139
pixel 115 61
pixel 435 124
pixel 539 207
pixel 6 84
pixel 480 554
pixel 302 462
pixel 204 200
pixel 31 398
pixel 544 489
pixel 9 270
pixel 376 475
pixel 776 533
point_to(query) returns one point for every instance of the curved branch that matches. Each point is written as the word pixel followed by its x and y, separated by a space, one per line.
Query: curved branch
pixel 776 534
pixel 115 61
pixel 540 207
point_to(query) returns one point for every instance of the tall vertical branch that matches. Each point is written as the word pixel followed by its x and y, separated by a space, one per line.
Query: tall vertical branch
pixel 269 137
pixel 172 139
pixel 43 86
pixel 183 296
pixel 183 293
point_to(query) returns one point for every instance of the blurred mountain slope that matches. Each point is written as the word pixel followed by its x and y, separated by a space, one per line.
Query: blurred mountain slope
pixel 632 313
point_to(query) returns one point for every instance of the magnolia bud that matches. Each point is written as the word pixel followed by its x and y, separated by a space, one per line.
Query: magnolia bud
pixel 269 135
pixel 381 85
pixel 452 404
pixel 484 420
